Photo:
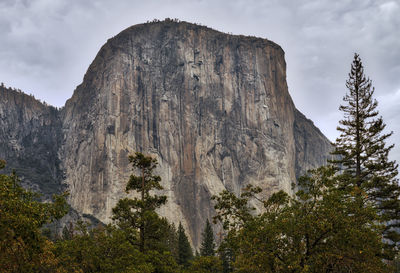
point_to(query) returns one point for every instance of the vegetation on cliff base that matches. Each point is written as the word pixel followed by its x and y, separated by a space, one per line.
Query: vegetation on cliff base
pixel 321 229
pixel 23 248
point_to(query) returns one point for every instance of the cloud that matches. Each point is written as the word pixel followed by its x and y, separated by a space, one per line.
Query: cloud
pixel 37 52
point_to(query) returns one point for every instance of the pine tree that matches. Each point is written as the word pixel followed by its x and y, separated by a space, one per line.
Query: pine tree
pixel 362 154
pixel 185 253
pixel 139 213
pixel 207 244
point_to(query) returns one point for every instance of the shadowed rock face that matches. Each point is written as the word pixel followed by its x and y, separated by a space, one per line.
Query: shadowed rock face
pixel 213 108
pixel 30 135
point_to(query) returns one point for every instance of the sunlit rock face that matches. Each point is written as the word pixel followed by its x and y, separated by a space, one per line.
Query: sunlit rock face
pixel 213 108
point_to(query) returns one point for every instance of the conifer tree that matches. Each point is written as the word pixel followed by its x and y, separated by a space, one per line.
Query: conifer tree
pixel 139 213
pixel 362 153
pixel 185 253
pixel 321 229
pixel 207 244
pixel 23 248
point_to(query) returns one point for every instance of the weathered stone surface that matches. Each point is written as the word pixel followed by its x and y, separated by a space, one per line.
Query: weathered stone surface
pixel 30 134
pixel 312 147
pixel 213 108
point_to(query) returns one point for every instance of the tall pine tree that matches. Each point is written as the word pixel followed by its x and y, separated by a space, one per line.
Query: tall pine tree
pixel 207 245
pixel 185 253
pixel 139 213
pixel 362 153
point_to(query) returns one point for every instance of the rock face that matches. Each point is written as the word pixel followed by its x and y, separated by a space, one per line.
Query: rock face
pixel 213 108
pixel 30 135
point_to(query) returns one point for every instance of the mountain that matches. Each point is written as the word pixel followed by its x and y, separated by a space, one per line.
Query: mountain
pixel 213 108
pixel 30 137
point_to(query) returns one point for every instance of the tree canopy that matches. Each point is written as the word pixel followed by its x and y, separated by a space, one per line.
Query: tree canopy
pixel 23 248
pixel 321 229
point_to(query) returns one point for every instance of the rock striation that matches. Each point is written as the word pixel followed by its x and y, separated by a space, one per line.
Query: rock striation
pixel 213 108
pixel 30 137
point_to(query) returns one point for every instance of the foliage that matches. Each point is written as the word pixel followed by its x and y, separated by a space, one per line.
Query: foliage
pixel 322 229
pixel 106 249
pixel 396 263
pixel 362 153
pixel 23 248
pixel 205 264
pixel 169 241
pixel 226 252
pixel 207 245
pixel 138 214
pixel 185 253
pixel 233 211
pixel 103 249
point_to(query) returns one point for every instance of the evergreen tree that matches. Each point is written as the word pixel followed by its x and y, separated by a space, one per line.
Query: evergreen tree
pixel 139 213
pixel 362 153
pixel 207 244
pixel 23 248
pixel 206 264
pixel 185 253
pixel 320 229
pixel 226 254
pixel 101 249
pixel 68 231
pixel 171 240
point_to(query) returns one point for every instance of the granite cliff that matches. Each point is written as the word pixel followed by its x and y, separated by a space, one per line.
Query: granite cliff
pixel 213 108
pixel 30 135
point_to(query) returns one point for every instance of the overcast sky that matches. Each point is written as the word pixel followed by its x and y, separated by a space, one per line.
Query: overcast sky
pixel 47 45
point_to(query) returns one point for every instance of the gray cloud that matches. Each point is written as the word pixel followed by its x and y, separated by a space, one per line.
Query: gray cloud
pixel 47 45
